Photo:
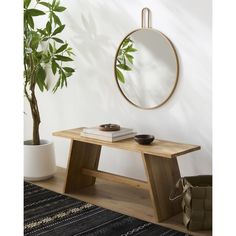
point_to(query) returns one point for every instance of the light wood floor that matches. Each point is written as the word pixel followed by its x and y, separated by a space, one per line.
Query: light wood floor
pixel 121 198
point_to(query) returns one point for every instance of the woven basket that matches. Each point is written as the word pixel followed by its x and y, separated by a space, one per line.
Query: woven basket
pixel 196 194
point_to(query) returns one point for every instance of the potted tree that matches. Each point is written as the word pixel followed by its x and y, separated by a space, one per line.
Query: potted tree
pixel 44 50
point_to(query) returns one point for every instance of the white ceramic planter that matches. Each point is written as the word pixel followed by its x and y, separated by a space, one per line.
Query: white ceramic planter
pixel 39 160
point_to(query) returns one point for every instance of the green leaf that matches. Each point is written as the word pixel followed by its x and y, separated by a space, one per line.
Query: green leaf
pixel 68 74
pixel 124 67
pixel 40 78
pixel 69 69
pixel 120 76
pixel 35 12
pixel 46 38
pixel 131 49
pixel 56 4
pixel 30 21
pixel 50 17
pixel 69 52
pixel 130 58
pixel 26 3
pixel 59 9
pixel 58 40
pixel 56 85
pixel 35 40
pixel 54 67
pixel 129 40
pixel 53 3
pixel 124 61
pixel 58 30
pixel 63 79
pixel 50 48
pixel 125 43
pixel 56 19
pixel 46 57
pixel 46 4
pixel 42 31
pixel 49 27
pixel 62 58
pixel 62 48
pixel 57 65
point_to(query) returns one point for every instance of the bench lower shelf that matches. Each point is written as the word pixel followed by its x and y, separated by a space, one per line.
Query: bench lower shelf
pixel 118 197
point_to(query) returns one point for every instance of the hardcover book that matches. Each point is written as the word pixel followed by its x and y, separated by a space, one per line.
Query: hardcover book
pixel 109 139
pixel 111 134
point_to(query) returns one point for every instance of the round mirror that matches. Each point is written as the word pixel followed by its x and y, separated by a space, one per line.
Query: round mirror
pixel 146 68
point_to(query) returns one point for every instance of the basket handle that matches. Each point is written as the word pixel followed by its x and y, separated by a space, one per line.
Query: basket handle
pixel 178 185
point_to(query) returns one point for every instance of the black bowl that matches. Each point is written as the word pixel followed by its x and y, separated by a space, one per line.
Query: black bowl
pixel 144 139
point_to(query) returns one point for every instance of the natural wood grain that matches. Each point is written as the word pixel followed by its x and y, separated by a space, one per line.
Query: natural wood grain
pixel 56 183
pixel 115 178
pixel 145 200
pixel 68 164
pixel 162 175
pixel 81 155
pixel 151 190
pixel 159 148
pixel 121 198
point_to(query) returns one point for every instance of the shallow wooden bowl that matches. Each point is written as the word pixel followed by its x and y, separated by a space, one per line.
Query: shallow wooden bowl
pixel 109 127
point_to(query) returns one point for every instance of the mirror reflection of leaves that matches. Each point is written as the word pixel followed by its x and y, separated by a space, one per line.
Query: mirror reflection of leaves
pixel 124 59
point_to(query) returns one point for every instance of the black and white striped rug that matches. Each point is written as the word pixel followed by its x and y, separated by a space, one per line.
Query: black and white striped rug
pixel 51 214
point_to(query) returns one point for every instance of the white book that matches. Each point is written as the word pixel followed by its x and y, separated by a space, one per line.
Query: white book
pixel 109 139
pixel 112 134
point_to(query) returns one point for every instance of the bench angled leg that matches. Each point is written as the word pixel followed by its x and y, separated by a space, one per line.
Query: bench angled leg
pixel 82 155
pixel 162 175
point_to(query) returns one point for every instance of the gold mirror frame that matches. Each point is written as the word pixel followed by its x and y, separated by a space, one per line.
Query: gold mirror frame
pixel 167 40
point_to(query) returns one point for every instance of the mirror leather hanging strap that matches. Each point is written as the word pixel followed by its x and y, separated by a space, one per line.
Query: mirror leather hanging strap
pixel 146 18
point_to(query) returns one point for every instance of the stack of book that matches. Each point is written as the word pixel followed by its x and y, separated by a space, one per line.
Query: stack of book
pixel 110 136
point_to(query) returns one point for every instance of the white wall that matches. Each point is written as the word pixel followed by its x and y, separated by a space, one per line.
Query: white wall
pixel 94 28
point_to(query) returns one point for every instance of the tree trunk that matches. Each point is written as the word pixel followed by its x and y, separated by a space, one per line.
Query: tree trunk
pixel 36 118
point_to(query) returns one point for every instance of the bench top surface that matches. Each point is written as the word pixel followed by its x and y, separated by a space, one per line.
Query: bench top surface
pixel 158 147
